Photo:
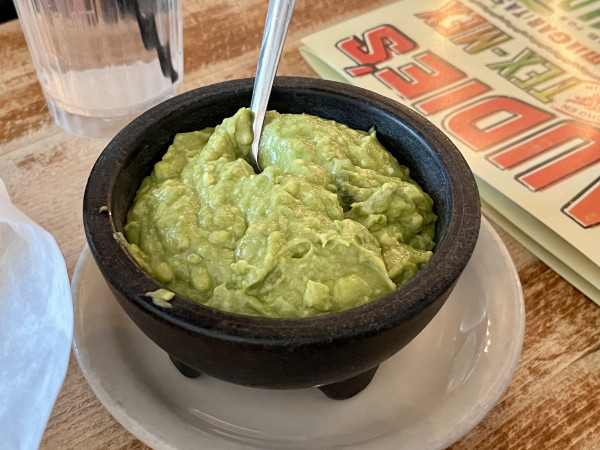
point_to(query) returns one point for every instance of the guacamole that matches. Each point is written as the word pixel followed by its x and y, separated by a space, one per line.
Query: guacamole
pixel 332 222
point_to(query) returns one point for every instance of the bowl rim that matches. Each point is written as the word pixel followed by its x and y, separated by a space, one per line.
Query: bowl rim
pixel 371 318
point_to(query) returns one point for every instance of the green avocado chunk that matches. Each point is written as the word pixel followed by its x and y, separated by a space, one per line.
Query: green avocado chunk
pixel 332 222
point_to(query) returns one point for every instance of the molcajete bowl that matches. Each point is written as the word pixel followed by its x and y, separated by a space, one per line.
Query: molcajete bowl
pixel 339 352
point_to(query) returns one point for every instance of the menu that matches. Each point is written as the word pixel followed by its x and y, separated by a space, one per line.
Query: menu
pixel 516 86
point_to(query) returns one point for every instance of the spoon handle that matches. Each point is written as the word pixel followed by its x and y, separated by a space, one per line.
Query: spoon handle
pixel 276 25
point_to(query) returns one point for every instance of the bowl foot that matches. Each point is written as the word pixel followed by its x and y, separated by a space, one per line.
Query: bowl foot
pixel 185 370
pixel 350 387
pixel 341 390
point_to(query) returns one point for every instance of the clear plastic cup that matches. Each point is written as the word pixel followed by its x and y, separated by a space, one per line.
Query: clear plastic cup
pixel 101 63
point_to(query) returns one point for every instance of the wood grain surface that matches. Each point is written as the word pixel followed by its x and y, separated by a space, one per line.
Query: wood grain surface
pixel 553 399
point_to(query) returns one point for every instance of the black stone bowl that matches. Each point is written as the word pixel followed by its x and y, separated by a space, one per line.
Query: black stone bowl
pixel 338 352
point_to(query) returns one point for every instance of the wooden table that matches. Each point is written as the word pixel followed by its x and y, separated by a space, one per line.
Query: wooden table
pixel 553 399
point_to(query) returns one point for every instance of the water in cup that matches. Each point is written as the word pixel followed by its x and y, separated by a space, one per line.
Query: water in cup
pixel 103 62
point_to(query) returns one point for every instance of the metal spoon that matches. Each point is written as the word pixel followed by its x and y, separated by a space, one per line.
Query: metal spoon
pixel 276 25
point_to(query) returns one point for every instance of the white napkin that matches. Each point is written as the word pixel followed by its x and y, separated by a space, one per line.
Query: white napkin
pixel 36 326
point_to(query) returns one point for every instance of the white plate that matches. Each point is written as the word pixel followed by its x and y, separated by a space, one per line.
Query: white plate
pixel 428 395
